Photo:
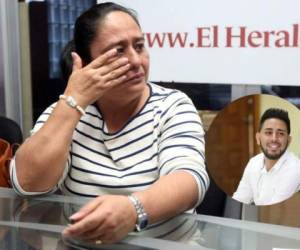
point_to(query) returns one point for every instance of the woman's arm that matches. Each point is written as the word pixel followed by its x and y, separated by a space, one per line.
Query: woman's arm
pixel 41 160
pixel 181 186
pixel 110 218
pixel 169 196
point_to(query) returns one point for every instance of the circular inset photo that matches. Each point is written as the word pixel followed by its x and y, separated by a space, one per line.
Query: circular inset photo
pixel 253 149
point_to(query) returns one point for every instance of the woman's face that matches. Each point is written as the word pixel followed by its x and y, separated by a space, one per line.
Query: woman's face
pixel 119 30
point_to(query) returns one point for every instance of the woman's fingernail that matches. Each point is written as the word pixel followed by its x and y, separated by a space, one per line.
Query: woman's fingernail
pixel 65 232
pixel 112 52
pixel 75 217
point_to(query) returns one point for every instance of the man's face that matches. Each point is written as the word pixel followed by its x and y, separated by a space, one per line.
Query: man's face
pixel 273 138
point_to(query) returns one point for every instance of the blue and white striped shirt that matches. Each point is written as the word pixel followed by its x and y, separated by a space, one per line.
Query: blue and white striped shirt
pixel 164 136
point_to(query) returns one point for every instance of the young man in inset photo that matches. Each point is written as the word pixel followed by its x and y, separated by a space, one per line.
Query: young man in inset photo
pixel 273 175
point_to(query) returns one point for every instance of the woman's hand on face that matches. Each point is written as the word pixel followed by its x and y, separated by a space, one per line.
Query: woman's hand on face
pixel 87 84
pixel 107 218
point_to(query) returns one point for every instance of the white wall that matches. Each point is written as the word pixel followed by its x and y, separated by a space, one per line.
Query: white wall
pixel 268 52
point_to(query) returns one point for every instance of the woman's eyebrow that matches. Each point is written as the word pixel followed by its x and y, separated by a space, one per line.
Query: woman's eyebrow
pixel 112 45
pixel 123 42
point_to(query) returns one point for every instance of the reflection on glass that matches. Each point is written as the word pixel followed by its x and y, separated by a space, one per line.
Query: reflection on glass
pixel 37 224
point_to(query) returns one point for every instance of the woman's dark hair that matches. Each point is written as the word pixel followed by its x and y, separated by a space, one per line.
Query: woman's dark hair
pixel 66 61
pixel 87 25
pixel 278 114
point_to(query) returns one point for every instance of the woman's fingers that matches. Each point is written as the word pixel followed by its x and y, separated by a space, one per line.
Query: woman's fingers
pixel 86 209
pixel 102 59
pixel 110 67
pixel 77 62
pixel 116 81
pixel 113 77
pixel 117 74
pixel 106 66
pixel 105 69
pixel 85 219
pixel 88 83
pixel 113 218
pixel 93 234
pixel 89 223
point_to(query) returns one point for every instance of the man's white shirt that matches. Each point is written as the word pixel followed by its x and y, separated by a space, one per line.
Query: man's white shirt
pixel 263 187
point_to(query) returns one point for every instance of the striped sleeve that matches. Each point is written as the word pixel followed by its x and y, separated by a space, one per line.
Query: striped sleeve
pixel 42 119
pixel 13 174
pixel 182 145
pixel 20 191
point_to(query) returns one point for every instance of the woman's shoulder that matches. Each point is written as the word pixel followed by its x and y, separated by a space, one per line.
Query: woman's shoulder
pixel 164 94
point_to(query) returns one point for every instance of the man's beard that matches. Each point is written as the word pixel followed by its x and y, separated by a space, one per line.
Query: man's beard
pixel 274 156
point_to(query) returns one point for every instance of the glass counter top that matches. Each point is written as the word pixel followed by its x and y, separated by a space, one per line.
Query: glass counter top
pixel 37 223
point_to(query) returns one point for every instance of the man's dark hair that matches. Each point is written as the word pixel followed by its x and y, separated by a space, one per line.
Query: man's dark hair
pixel 277 114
